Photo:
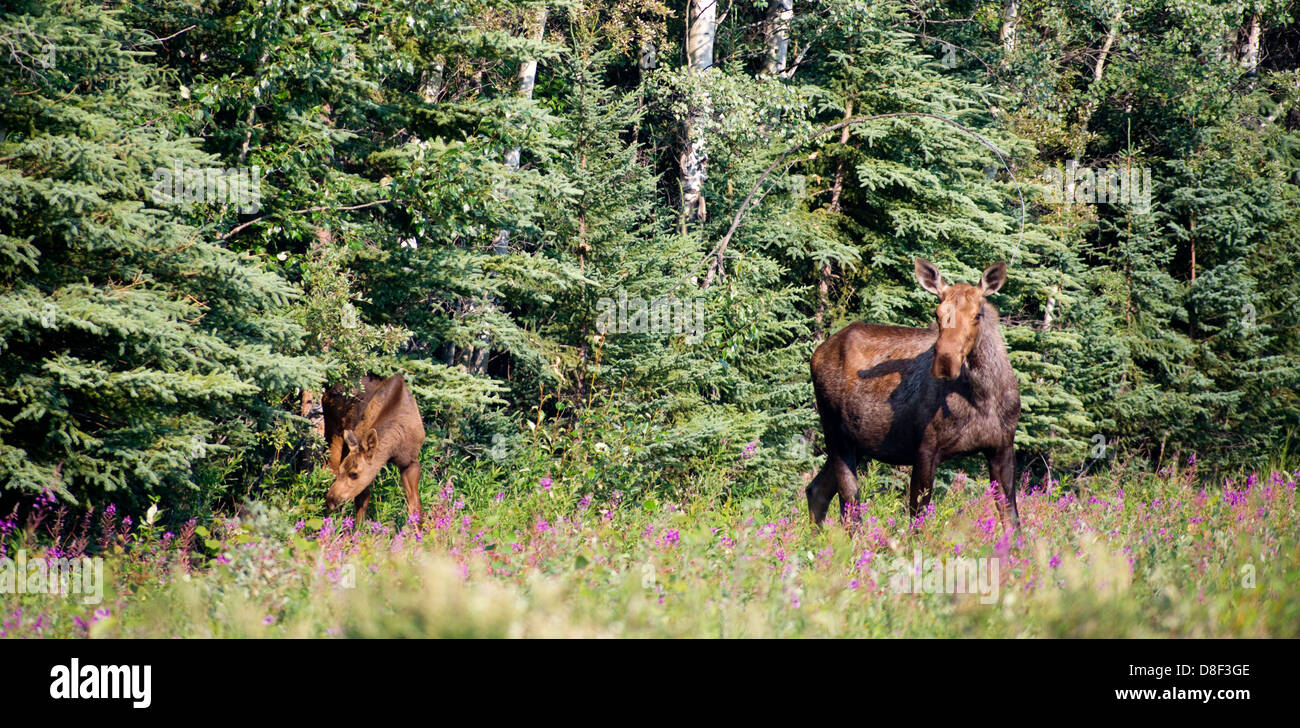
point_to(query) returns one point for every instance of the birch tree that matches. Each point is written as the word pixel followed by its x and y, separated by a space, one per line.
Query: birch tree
pixel 701 28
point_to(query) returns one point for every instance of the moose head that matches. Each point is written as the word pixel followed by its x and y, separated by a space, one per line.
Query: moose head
pixel 960 311
pixel 358 470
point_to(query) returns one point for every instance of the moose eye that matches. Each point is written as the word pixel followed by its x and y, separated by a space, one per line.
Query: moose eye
pixel 352 475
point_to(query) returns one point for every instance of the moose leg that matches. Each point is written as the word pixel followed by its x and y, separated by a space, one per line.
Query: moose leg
pixel 1002 469
pixel 820 491
pixel 846 472
pixel 918 493
pixel 836 476
pixel 363 502
pixel 411 486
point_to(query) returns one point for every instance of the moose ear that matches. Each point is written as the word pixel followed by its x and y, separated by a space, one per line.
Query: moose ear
pixel 993 278
pixel 350 438
pixel 371 441
pixel 928 276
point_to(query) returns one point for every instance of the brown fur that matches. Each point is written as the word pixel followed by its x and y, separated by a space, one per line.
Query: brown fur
pixel 918 397
pixel 367 428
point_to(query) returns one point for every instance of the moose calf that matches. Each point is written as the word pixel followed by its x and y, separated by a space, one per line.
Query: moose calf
pixel 367 428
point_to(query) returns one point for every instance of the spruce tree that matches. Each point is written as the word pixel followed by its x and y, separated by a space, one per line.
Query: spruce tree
pixel 133 345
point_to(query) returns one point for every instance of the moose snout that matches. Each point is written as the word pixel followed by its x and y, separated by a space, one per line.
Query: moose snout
pixel 333 500
pixel 946 368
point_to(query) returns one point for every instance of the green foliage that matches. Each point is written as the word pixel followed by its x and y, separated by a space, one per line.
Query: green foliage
pixel 141 338
pixel 132 345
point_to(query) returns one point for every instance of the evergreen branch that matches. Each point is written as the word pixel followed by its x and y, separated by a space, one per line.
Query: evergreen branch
pixel 240 228
pixel 714 258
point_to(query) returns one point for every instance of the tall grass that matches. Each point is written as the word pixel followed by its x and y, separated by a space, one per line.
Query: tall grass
pixel 570 550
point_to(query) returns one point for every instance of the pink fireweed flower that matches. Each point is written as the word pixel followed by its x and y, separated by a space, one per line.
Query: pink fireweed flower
pixel 500 496
pixel 541 526
pixel 864 560
pixel 749 450
pixel 546 483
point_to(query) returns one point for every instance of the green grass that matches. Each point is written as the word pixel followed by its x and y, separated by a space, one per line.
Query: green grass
pixel 1125 553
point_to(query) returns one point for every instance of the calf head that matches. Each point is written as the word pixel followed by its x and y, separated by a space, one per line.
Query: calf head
pixel 358 470
pixel 961 308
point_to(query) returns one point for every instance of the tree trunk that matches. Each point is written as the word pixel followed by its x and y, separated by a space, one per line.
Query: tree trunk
pixel 1250 51
pixel 310 408
pixel 1089 106
pixel 1106 46
pixel 431 82
pixel 1010 16
pixel 525 80
pixel 779 14
pixel 701 28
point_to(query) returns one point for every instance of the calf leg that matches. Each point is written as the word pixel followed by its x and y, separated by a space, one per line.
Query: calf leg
pixel 363 502
pixel 1002 468
pixel 411 486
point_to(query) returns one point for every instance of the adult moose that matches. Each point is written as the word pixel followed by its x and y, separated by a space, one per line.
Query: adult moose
pixel 917 397
pixel 377 423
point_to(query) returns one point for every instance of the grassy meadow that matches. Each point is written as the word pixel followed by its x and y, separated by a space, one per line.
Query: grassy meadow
pixel 529 552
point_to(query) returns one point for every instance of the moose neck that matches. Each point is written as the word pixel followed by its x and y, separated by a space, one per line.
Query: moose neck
pixel 987 364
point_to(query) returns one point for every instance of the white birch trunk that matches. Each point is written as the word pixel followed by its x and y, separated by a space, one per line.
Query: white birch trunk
pixel 779 15
pixel 525 80
pixel 701 29
pixel 1250 51
pixel 1010 16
